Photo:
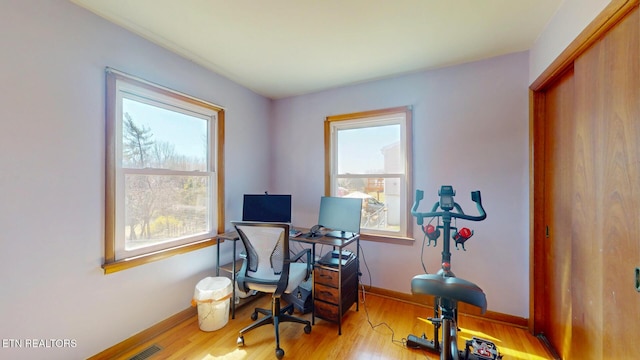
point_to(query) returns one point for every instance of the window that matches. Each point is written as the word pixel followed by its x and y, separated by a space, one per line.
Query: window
pixel 164 183
pixel 368 156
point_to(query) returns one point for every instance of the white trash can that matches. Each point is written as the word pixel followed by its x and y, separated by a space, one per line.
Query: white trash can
pixel 211 296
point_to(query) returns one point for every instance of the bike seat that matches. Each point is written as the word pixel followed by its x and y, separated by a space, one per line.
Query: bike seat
pixel 450 288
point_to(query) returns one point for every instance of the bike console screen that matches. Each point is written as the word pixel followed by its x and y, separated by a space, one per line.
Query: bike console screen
pixel 446 193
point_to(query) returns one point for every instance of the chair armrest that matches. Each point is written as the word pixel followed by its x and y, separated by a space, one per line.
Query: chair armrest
pixel 299 255
pixel 240 275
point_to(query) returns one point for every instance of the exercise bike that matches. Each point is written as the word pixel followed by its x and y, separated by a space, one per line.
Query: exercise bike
pixel 447 289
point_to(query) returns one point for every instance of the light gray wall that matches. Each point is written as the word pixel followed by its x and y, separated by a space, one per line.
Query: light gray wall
pixel 470 130
pixel 52 146
pixel 567 23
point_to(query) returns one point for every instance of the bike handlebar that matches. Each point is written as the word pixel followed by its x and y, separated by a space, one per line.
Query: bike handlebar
pixel 475 197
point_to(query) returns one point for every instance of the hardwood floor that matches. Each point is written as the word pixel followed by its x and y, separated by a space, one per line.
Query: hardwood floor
pixel 377 331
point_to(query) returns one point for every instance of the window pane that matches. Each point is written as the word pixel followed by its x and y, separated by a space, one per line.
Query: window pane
pixel 161 208
pixel 369 150
pixel 380 201
pixel 155 137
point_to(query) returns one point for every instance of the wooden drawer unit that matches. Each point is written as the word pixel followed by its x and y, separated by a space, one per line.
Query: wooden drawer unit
pixel 335 290
pixel 332 294
pixel 330 310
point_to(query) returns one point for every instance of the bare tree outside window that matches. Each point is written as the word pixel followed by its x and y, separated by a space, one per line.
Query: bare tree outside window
pixel 158 207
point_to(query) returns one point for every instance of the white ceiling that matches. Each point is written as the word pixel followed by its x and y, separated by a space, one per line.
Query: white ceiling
pixel 281 48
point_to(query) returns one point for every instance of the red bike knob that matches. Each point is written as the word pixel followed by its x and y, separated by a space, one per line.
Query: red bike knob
pixel 432 232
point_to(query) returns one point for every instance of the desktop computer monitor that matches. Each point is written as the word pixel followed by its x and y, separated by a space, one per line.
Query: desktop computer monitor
pixel 342 215
pixel 266 208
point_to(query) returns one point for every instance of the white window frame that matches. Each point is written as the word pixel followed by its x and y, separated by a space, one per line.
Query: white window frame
pixel 399 115
pixel 119 87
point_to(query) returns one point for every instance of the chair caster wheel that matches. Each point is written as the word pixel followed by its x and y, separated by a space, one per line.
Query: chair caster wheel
pixel 240 341
pixel 279 353
pixel 307 329
pixel 254 316
pixel 290 311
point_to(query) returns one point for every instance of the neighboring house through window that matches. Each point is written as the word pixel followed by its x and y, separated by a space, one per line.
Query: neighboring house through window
pixel 164 182
pixel 368 156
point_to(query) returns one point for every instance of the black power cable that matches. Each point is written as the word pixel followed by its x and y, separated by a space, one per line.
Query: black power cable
pixel 402 342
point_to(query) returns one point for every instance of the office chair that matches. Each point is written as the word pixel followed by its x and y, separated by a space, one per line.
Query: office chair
pixel 269 268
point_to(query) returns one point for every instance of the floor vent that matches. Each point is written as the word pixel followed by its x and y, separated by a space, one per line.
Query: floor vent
pixel 145 354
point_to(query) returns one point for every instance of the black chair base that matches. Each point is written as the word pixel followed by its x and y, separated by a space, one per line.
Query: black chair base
pixel 283 315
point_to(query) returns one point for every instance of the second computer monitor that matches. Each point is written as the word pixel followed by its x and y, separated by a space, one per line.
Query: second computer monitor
pixel 342 215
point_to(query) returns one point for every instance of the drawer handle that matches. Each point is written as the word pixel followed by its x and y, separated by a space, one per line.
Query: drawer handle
pixel 326 276
pixel 326 293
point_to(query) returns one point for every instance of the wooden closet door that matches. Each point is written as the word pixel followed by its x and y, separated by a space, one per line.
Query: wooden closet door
pixel 617 155
pixel 586 241
pixel 592 200
pixel 559 132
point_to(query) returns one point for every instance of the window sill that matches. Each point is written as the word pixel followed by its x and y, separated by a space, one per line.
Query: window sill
pixel 388 239
pixel 127 263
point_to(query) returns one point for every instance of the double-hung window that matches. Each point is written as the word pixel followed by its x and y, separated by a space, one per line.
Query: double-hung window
pixel 163 168
pixel 368 156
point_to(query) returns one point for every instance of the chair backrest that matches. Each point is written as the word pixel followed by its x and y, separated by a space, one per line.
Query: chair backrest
pixel 267 247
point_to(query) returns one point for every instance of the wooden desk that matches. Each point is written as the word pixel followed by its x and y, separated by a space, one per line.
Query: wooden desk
pixel 336 244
